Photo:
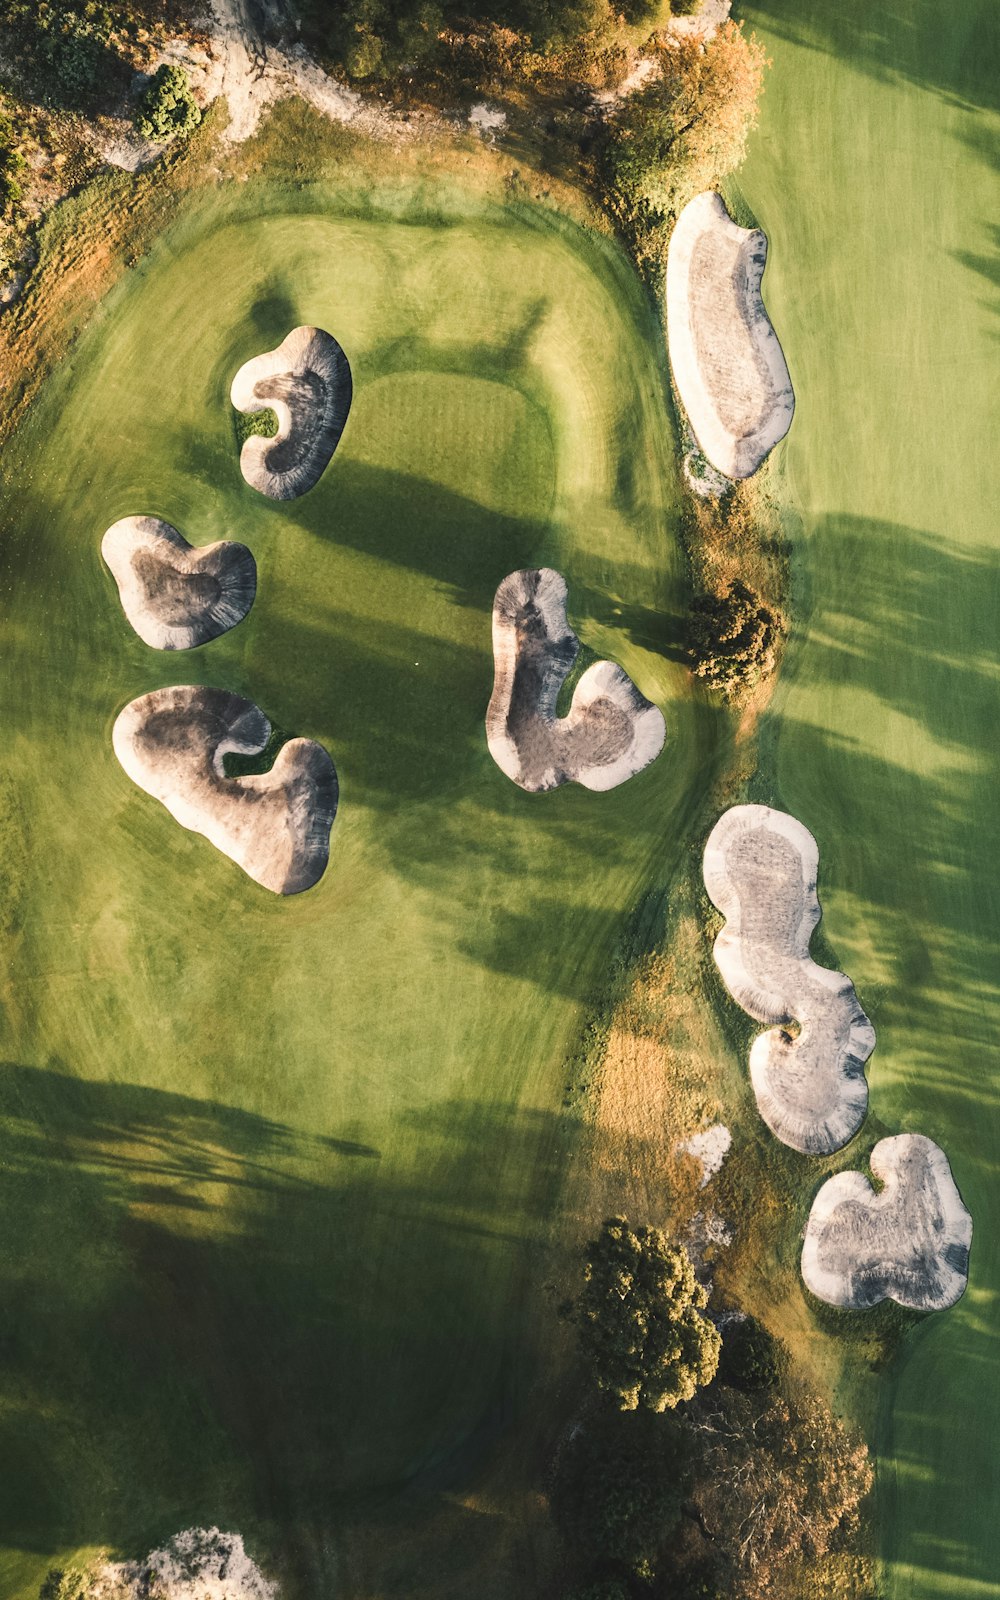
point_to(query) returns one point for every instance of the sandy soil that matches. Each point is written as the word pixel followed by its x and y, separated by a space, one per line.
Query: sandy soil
pixel 306 382
pixel 908 1242
pixel 275 825
pixel 725 356
pixel 198 1564
pixel 611 731
pixel 760 871
pixel 177 597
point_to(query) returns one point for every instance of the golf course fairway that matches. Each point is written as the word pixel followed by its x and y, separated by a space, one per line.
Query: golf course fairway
pixel 272 1170
pixel 874 171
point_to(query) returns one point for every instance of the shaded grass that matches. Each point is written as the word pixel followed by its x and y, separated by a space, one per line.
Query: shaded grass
pixel 882 738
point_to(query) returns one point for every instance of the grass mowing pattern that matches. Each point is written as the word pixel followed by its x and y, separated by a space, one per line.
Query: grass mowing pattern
pixel 273 1171
pixel 874 172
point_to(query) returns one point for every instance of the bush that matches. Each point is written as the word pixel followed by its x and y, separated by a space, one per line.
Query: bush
pixel 12 164
pixel 619 1483
pixel 732 638
pixel 642 1331
pixel 168 109
pixel 751 1357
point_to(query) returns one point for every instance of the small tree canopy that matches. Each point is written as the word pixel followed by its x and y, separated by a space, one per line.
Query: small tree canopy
pixel 168 108
pixel 640 1318
pixel 619 1484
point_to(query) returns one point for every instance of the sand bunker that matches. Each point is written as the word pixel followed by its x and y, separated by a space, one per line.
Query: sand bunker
pixel 727 363
pixel 760 871
pixel 198 1564
pixel 175 596
pixel 611 731
pixel 306 382
pixel 908 1242
pixel 275 825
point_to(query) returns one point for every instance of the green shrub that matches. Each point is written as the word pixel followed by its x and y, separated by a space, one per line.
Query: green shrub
pixel 732 638
pixel 751 1357
pixel 168 109
pixel 619 1483
pixel 640 1315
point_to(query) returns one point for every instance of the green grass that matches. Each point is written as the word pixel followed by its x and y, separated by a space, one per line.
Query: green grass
pixel 273 1173
pixel 875 175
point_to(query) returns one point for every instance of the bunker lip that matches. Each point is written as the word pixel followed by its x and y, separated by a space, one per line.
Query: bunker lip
pixel 760 869
pixel 306 382
pixel 727 362
pixel 611 731
pixel 275 825
pixel 177 596
pixel 909 1242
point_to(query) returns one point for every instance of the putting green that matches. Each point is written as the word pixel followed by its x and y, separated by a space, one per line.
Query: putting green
pixel 874 172
pixel 272 1171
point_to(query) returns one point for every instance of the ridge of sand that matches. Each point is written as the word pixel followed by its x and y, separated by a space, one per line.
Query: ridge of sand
pixel 727 363
pixel 760 871
pixel 611 731
pixel 177 596
pixel 908 1242
pixel 306 382
pixel 275 825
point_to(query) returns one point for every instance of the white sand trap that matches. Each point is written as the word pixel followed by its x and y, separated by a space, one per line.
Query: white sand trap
pixel 275 825
pixel 198 1564
pixel 908 1242
pixel 760 871
pixel 611 731
pixel 727 363
pixel 306 382
pixel 177 597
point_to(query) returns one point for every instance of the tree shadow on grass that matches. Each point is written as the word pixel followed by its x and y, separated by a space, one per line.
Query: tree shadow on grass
pixel 210 1317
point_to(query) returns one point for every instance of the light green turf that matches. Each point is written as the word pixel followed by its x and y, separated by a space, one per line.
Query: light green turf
pixel 875 174
pixel 272 1169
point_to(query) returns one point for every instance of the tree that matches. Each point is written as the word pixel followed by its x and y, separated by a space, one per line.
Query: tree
pixel 168 109
pixel 732 637
pixel 687 127
pixel 640 1319
pixel 751 1357
pixel 619 1483
pixel 778 1480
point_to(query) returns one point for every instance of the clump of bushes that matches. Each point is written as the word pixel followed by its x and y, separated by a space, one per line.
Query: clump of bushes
pixel 68 47
pixel 12 164
pixel 751 1357
pixel 642 1329
pixel 168 109
pixel 733 638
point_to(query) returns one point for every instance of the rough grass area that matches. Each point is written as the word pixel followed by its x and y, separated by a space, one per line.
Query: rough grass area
pixel 882 737
pixel 275 1175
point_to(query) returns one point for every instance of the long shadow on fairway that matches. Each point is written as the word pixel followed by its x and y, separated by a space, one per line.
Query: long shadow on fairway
pixel 956 56
pixel 209 1317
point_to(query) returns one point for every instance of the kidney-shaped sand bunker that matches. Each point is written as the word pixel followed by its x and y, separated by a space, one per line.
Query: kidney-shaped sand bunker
pixel 175 596
pixel 275 825
pixel 610 732
pixel 760 871
pixel 908 1242
pixel 306 382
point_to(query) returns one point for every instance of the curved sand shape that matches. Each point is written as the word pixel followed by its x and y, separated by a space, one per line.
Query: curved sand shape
pixel 908 1242
pixel 611 731
pixel 760 872
pixel 275 825
pixel 727 363
pixel 175 596
pixel 306 382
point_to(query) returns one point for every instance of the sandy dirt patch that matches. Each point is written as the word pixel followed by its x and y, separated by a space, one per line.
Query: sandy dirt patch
pixel 725 356
pixel 760 870
pixel 175 596
pixel 908 1242
pixel 611 731
pixel 275 825
pixel 198 1564
pixel 306 382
